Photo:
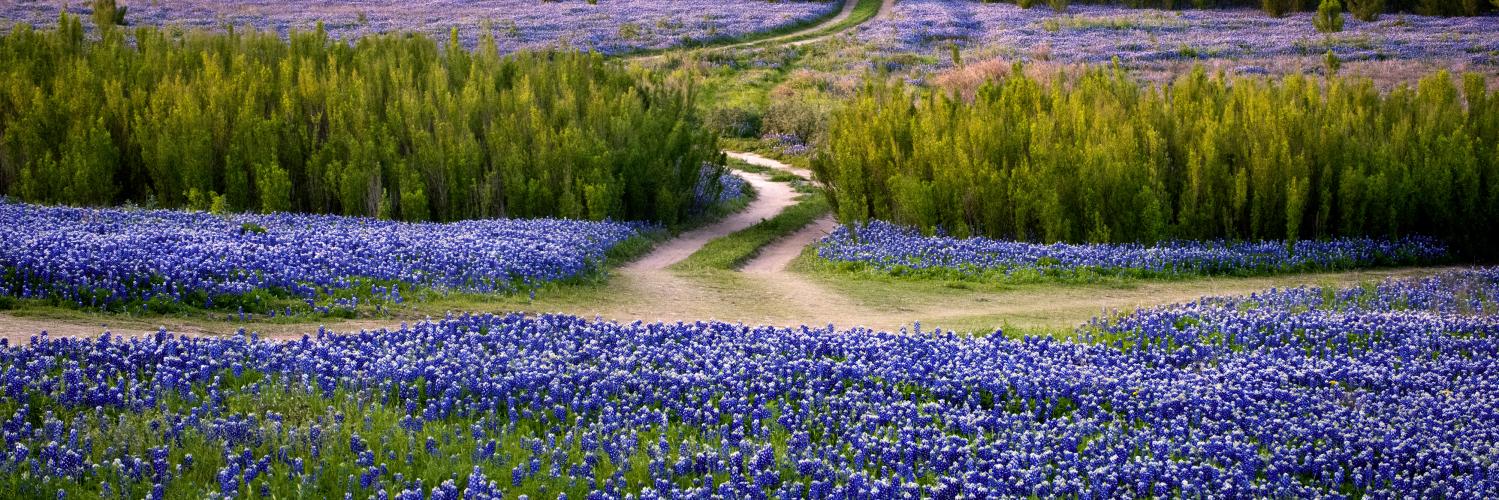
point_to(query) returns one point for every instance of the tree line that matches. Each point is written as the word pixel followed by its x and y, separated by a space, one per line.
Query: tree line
pixel 1104 159
pixel 396 126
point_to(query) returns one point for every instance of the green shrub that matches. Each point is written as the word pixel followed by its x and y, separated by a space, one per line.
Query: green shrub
pixel 1058 6
pixel 1025 4
pixel 1100 158
pixel 1366 10
pixel 395 125
pixel 1329 18
pixel 733 121
pixel 802 116
pixel 106 14
pixel 1437 7
pixel 1275 8
pixel 1332 63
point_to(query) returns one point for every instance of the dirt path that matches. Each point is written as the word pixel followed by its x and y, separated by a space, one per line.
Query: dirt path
pixel 775 257
pixel 886 7
pixel 796 38
pixel 771 198
pixel 761 161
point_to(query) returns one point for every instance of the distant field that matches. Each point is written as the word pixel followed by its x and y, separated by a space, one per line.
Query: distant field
pixel 1098 34
pixel 608 26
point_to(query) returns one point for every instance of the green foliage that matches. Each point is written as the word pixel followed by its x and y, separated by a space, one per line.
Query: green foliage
pixel 396 126
pixel 1058 6
pixel 733 121
pixel 1332 63
pixel 107 13
pixel 1366 10
pixel 805 117
pixel 1446 7
pixel 1329 18
pixel 1275 8
pixel 1025 4
pixel 1100 158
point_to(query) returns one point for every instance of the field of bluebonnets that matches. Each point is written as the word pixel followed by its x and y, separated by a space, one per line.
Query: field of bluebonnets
pixel 1381 391
pixel 283 264
pixel 1101 33
pixel 888 248
pixel 608 26
pixel 400 168
pixel 162 260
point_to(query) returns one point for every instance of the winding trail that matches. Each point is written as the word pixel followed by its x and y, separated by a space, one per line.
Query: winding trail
pixel 776 256
pixel 886 7
pixel 771 198
pixel 804 36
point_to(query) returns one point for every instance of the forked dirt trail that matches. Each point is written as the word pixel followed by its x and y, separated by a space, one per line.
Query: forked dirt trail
pixel 771 198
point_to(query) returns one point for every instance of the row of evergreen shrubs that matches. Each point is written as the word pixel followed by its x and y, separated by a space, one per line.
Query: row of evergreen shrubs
pixel 398 126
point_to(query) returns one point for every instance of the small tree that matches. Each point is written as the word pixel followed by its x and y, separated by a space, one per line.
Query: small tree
pixel 1058 6
pixel 107 13
pixel 1329 18
pixel 1366 10
pixel 1332 62
pixel 1025 4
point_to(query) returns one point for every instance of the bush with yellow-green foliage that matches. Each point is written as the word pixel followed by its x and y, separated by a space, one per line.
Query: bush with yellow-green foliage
pixel 1105 159
pixel 396 126
pixel 1329 17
